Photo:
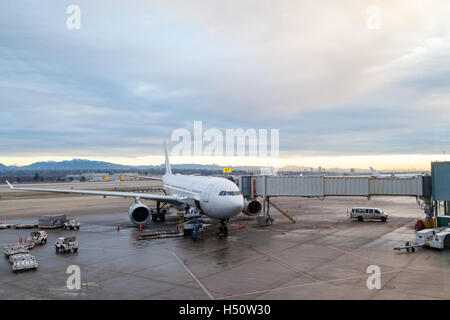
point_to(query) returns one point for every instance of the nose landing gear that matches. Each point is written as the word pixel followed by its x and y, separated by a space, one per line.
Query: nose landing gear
pixel 223 230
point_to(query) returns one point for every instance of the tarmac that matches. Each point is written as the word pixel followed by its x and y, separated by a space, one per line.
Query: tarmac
pixel 324 255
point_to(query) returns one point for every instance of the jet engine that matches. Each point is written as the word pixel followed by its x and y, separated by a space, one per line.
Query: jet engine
pixel 251 207
pixel 139 213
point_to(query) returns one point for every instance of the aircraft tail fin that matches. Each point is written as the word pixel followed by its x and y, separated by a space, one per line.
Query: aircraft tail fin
pixel 374 172
pixel 168 169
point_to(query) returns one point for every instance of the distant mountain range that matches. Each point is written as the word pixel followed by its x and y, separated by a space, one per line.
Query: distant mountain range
pixel 83 164
pixel 75 164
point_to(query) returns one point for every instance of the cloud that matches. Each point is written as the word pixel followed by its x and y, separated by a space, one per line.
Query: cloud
pixel 137 70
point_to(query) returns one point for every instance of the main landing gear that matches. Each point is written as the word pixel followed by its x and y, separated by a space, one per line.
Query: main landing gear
pixel 159 214
pixel 223 230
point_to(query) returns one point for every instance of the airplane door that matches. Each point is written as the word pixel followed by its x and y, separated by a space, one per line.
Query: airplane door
pixel 207 192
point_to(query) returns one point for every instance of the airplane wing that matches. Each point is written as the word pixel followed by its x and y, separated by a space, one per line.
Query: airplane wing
pixel 149 178
pixel 146 196
pixel 160 179
pixel 144 177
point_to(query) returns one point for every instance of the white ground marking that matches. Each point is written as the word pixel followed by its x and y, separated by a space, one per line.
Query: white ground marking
pixel 194 277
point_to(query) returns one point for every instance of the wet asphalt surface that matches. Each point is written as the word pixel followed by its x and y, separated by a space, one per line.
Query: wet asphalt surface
pixel 324 255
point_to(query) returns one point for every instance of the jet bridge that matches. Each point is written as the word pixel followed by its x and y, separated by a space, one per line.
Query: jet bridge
pixel 303 186
pixel 299 186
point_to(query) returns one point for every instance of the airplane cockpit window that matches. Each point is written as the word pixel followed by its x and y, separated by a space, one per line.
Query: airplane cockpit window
pixel 233 193
pixel 229 193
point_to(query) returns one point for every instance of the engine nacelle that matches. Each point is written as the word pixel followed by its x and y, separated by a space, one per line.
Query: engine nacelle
pixel 139 214
pixel 251 207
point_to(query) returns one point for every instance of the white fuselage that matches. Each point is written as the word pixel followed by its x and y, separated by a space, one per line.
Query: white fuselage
pixel 218 198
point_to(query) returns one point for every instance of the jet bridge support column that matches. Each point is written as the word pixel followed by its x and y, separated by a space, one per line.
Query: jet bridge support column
pixel 263 218
pixel 428 208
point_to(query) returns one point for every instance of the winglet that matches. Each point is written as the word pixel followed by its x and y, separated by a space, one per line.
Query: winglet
pixel 168 169
pixel 9 184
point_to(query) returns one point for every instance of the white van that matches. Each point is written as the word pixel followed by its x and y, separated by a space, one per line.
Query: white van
pixel 368 213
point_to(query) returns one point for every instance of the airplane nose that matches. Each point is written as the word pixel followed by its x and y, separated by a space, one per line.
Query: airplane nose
pixel 237 205
pixel 230 207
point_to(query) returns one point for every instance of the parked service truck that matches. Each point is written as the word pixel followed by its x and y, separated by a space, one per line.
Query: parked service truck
pixel 438 238
pixel 72 224
pixel 66 244
pixel 435 238
pixel 39 237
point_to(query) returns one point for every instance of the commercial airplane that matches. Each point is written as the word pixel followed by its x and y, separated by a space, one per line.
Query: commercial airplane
pixel 215 197
pixel 376 174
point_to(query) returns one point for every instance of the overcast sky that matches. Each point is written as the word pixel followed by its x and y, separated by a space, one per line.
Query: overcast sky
pixel 137 70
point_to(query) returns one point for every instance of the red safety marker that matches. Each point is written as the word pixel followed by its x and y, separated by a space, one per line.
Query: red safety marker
pixel 140 227
pixel 118 227
pixel 299 205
